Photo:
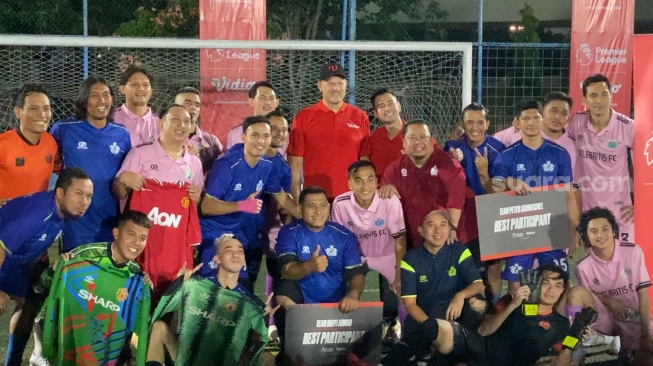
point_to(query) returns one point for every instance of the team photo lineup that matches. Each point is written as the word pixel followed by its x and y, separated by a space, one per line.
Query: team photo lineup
pixel 134 237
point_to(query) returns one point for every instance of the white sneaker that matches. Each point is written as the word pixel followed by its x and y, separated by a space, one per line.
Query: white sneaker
pixel 615 346
pixel 38 360
pixel 272 332
pixel 596 339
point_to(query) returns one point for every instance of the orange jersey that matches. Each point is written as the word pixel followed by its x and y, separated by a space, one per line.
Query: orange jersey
pixel 25 168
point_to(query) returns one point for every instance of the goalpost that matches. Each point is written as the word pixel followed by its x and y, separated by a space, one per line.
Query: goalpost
pixel 433 79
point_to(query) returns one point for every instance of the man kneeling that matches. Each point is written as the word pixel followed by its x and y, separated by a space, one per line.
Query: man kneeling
pixel 210 307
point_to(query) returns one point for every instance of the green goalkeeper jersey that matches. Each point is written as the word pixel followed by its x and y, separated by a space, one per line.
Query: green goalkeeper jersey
pixel 217 326
pixel 92 309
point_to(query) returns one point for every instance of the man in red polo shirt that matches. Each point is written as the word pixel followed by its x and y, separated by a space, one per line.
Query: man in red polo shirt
pixel 425 179
pixel 386 143
pixel 327 137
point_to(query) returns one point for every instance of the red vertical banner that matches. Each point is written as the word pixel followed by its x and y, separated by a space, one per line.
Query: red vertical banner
pixel 227 74
pixel 643 152
pixel 601 43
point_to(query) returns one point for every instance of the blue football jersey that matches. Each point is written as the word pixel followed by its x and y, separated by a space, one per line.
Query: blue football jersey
pixel 548 164
pixel 336 242
pixel 28 226
pixel 100 153
pixel 231 179
pixel 493 146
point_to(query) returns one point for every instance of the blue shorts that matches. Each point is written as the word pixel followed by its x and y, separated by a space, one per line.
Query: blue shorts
pixel 512 265
pixel 14 281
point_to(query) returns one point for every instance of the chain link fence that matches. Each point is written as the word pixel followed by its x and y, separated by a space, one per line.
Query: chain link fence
pixel 429 84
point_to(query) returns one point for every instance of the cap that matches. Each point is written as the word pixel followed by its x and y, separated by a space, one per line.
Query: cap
pixel 442 213
pixel 332 69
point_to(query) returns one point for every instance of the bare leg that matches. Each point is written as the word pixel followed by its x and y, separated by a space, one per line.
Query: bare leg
pixel 161 339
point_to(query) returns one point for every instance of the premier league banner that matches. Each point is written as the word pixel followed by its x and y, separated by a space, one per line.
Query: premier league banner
pixel 510 225
pixel 320 335
pixel 643 151
pixel 601 32
pixel 227 74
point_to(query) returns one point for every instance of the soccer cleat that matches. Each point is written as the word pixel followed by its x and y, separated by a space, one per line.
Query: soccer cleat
pixel 38 360
pixel 614 346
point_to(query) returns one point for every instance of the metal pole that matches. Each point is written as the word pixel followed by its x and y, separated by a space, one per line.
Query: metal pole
pixel 479 64
pixel 85 18
pixel 345 9
pixel 352 54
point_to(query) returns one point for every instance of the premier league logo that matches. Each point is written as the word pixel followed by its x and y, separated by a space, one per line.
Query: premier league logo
pixel 584 54
pixel 648 154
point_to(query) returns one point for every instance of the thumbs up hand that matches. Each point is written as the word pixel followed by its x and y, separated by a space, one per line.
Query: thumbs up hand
pixel 251 204
pixel 319 262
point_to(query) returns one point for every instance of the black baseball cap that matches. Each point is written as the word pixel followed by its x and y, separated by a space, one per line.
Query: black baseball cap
pixel 332 69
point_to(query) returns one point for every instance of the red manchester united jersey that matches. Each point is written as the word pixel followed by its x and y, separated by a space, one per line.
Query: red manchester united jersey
pixel 175 230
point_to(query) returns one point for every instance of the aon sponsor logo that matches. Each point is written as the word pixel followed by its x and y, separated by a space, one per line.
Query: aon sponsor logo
pixel 210 316
pixel 163 218
pixel 96 300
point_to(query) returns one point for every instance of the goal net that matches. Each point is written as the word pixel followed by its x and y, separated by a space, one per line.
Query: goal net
pixel 433 80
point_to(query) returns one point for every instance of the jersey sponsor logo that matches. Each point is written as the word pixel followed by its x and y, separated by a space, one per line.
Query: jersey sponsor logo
pixel 154 167
pixel 82 145
pixel 121 294
pixel 114 148
pixel 548 166
pixel 371 234
pixel 520 167
pixel 619 291
pixel 647 153
pixel 49 158
pixel 353 125
pixel 259 186
pixel 434 171
pixel 423 278
pixel 238 187
pixel 515 268
pixel 306 249
pixel 193 310
pixel 185 202
pixel 43 237
pixel 452 271
pixel 96 300
pixel 163 218
pixel 331 251
pixel 612 144
pixel 404 172
pixel 379 222
pixel 545 324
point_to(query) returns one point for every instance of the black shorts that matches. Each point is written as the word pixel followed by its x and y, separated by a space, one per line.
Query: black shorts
pixel 468 346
